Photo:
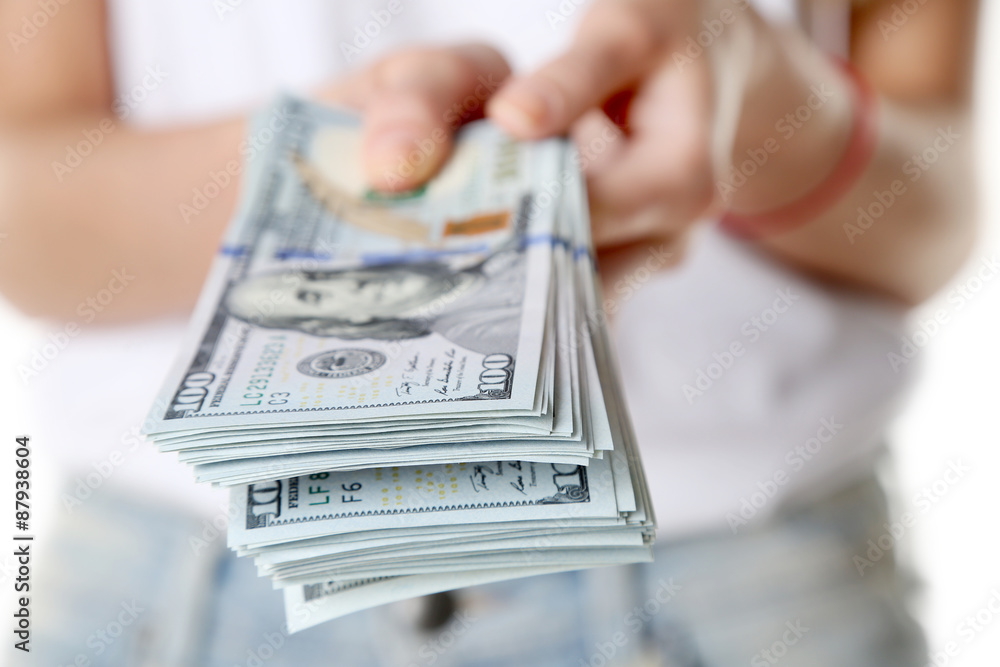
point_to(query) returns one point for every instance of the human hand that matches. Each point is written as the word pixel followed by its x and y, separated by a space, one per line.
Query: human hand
pixel 694 88
pixel 662 97
pixel 412 103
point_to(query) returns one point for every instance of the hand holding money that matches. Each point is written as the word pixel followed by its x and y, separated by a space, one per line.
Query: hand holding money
pixel 407 394
pixel 412 103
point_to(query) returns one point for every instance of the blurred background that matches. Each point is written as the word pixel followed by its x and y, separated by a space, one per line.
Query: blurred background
pixel 951 420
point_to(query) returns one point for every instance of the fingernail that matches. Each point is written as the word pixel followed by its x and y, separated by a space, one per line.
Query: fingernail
pixel 524 108
pixel 386 156
pixel 387 148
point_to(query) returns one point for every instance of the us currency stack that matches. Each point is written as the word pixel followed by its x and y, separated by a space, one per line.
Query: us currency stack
pixel 406 394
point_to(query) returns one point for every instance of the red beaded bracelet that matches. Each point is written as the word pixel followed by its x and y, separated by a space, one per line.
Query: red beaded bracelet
pixel 860 149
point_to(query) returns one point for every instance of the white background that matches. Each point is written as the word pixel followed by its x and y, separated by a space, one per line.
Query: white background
pixel 953 416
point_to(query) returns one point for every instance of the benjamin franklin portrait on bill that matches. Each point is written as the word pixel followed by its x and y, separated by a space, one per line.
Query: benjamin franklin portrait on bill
pixel 478 308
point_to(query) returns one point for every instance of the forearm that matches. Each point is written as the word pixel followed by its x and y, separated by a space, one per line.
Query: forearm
pixel 71 224
pixel 907 222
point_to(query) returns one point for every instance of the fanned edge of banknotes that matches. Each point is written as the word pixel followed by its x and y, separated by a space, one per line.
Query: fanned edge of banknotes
pixel 546 480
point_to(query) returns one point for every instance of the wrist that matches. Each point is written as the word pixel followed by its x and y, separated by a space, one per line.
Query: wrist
pixel 797 124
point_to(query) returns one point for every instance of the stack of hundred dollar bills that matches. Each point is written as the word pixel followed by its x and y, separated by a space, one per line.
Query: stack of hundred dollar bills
pixel 406 394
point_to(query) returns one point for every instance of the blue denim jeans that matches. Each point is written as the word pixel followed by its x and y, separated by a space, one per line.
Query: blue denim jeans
pixel 130 585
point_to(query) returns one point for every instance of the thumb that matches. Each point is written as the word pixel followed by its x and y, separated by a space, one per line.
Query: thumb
pixel 419 99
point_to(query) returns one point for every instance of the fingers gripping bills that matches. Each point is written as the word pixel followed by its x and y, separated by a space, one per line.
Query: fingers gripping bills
pixel 409 393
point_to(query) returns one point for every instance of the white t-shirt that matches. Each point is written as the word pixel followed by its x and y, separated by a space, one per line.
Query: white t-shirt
pixel 738 371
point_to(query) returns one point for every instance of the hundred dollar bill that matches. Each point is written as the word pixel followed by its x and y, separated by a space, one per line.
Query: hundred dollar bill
pixel 405 497
pixel 310 605
pixel 331 303
pixel 407 394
